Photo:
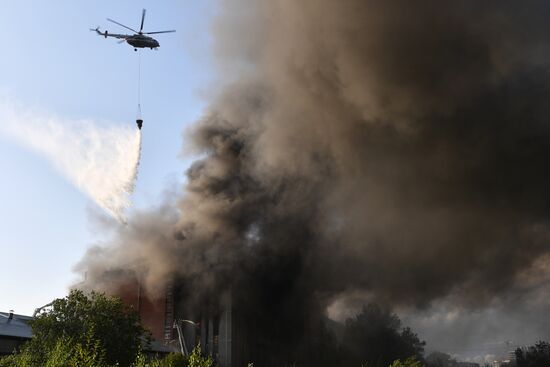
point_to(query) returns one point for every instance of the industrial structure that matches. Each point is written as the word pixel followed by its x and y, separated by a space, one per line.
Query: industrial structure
pixel 181 325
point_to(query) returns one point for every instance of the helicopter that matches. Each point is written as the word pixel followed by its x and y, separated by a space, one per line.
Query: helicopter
pixel 138 39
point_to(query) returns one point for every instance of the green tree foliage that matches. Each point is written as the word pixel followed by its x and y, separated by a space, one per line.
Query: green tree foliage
pixel 375 337
pixel 197 360
pixel 537 355
pixel 171 360
pixel 15 360
pixel 175 360
pixel 88 330
pixel 65 353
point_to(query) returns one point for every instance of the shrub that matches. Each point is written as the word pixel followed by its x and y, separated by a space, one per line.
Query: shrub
pixel 409 362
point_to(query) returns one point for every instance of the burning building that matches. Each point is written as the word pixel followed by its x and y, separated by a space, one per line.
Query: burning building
pixel 392 151
pixel 223 329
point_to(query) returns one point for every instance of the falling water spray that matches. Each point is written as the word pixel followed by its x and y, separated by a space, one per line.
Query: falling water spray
pixel 101 161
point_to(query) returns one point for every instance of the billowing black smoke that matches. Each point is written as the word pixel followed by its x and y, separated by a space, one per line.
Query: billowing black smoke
pixel 397 149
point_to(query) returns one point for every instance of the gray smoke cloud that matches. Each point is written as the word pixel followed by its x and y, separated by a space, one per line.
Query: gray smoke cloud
pixel 362 150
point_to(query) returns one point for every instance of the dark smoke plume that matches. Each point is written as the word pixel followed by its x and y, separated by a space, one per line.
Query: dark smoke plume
pixel 397 149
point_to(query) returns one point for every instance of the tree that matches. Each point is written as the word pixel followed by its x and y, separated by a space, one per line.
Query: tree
pixel 375 337
pixel 65 353
pixel 411 345
pixel 84 330
pixel 537 355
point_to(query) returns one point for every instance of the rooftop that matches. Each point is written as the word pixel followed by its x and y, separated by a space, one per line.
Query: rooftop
pixel 16 327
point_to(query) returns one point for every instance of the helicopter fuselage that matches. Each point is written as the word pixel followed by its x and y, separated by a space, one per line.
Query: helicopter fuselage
pixel 142 41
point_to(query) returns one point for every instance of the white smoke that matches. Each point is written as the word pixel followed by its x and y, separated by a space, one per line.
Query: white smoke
pixel 100 161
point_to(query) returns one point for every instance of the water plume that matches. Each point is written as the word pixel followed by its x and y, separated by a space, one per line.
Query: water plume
pixel 101 161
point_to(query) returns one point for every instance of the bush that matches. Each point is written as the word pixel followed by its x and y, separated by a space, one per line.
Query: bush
pixel 176 360
pixel 409 362
pixel 171 360
pixel 197 360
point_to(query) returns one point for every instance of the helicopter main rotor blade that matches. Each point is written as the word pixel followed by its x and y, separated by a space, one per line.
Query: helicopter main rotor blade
pixel 159 32
pixel 122 40
pixel 142 19
pixel 122 25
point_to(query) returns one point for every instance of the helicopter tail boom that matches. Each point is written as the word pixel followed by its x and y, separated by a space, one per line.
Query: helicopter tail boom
pixel 107 34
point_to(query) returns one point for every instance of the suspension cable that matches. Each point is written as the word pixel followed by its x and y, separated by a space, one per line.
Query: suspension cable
pixel 139 79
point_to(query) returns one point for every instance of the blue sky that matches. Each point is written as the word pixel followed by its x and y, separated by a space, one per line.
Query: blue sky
pixel 52 63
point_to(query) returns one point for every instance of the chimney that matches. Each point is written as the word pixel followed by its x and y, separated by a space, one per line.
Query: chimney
pixel 11 316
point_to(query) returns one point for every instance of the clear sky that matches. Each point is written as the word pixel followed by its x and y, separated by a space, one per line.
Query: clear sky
pixel 51 62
